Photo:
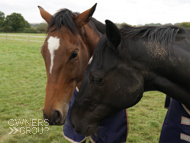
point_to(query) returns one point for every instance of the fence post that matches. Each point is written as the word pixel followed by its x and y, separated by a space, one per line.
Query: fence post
pixel 28 39
pixel 6 38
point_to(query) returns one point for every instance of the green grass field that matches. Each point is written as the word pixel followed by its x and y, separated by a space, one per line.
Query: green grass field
pixel 22 93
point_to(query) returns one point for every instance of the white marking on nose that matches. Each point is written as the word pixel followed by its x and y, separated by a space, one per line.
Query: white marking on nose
pixel 89 62
pixel 53 44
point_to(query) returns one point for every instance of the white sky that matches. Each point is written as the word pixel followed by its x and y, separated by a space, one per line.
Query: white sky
pixel 133 12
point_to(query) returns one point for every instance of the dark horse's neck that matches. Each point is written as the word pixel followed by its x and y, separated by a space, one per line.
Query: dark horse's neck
pixel 165 66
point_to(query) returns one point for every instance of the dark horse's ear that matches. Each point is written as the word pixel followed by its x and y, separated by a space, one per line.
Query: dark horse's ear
pixel 113 34
pixel 83 18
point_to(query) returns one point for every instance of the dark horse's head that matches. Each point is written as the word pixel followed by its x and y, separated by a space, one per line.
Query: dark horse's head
pixel 126 63
pixel 71 39
pixel 105 84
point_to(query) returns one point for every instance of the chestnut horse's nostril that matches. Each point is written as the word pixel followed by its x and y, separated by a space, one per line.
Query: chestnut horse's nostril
pixel 57 118
pixel 44 115
pixel 46 118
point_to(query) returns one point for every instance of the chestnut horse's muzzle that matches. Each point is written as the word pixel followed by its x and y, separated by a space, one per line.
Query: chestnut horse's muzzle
pixel 56 118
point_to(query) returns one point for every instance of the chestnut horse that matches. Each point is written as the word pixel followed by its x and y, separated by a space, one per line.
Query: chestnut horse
pixel 127 62
pixel 71 39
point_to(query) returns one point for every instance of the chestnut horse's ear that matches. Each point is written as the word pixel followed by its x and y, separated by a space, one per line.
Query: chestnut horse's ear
pixel 45 15
pixel 83 18
pixel 113 34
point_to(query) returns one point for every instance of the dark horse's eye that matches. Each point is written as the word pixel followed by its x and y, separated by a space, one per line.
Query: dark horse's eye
pixel 74 55
pixel 96 80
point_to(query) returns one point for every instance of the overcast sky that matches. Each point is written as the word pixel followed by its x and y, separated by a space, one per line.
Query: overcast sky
pixel 133 12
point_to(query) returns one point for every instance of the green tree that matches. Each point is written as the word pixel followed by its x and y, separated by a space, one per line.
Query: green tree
pixel 153 24
pixel 16 22
pixel 27 25
pixel 123 24
pixel 2 20
pixel 184 24
pixel 41 28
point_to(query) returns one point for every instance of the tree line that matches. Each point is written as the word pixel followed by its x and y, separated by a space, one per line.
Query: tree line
pixel 15 22
pixel 183 24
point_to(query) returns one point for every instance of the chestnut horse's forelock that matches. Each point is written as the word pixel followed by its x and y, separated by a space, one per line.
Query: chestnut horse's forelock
pixel 66 51
pixel 63 17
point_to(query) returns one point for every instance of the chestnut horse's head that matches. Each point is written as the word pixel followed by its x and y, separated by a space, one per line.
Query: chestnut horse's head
pixel 71 39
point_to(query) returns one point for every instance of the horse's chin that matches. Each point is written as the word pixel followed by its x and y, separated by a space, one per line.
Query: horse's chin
pixel 62 122
pixel 87 131
pixel 53 124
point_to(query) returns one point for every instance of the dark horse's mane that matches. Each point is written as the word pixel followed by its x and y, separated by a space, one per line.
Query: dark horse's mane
pixel 162 34
pixel 63 17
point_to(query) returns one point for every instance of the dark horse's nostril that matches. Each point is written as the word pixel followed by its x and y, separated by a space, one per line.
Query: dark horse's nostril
pixel 56 117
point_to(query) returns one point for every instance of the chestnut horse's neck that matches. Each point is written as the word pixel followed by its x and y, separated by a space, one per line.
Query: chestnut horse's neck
pixel 91 33
pixel 99 26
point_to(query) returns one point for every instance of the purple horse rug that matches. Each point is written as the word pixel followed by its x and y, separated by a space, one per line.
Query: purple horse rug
pixel 176 127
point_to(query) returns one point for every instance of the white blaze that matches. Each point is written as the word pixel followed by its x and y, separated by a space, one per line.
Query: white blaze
pixel 53 44
pixel 89 62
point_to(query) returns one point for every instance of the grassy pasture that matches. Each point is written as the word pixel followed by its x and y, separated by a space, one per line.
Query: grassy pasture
pixel 22 93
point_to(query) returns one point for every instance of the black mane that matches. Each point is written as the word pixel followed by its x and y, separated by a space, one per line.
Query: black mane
pixel 63 17
pixel 162 34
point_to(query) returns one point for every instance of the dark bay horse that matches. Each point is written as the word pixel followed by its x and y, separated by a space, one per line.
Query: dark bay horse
pixel 71 39
pixel 128 62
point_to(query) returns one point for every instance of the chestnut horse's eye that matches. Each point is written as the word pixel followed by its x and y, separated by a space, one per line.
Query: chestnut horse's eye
pixel 96 80
pixel 74 55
